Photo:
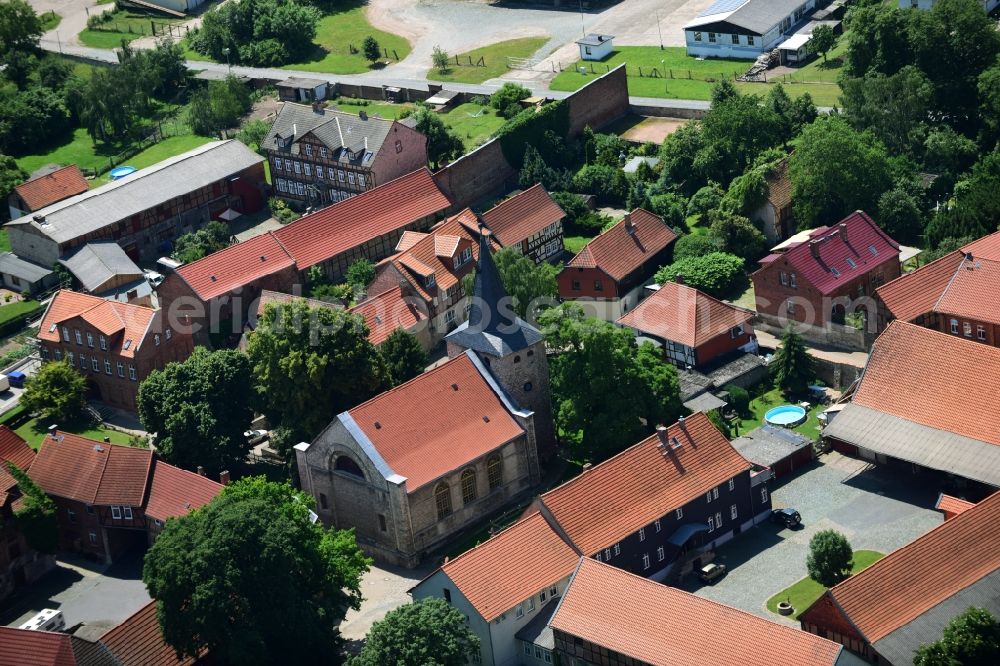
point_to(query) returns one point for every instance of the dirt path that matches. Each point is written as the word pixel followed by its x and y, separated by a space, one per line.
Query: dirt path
pixel 74 15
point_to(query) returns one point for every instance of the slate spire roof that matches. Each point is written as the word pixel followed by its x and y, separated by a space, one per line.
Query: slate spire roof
pixel 493 327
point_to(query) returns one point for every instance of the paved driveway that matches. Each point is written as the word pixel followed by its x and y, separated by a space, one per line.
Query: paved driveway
pixel 877 509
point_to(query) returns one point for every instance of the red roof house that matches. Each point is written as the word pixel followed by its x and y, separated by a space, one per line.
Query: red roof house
pixel 530 221
pixel 693 327
pixel 14 449
pixel 952 506
pixel 105 492
pixel 24 647
pixel 608 611
pixel 609 273
pixel 389 310
pixel 907 598
pixel 43 191
pixel 958 294
pixel 834 272
pixel 138 640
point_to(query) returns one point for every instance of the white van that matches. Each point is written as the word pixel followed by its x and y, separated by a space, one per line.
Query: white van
pixel 4 383
pixel 49 619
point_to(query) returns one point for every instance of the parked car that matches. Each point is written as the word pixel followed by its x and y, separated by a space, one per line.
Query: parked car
pixel 155 279
pixel 255 437
pixel 710 572
pixel 787 516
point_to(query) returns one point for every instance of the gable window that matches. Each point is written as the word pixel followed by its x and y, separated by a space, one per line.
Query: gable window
pixel 680 513
pixel 981 332
pixel 954 326
pixel 645 560
pixel 104 343
pixel 399 146
pixel 65 332
pixel 642 534
pixel 131 372
pixel 660 555
pixel 79 338
pixel 732 512
pixel 494 471
pixel 607 554
pixel 322 152
pixel 732 484
pixel 309 150
pixel 116 512
pixel 442 498
pixel 347 465
pixel 90 339
pixel 967 329
pixel 468 486
pixel 618 549
pixel 307 168
pixel 156 339
pixel 783 278
pixel 736 332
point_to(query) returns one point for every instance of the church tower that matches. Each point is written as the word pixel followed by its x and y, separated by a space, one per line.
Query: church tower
pixel 512 349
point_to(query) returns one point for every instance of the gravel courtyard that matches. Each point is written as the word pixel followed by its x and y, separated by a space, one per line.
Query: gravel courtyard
pixel 877 509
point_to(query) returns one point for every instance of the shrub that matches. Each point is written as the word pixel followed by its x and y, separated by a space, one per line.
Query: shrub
pixel 694 245
pixel 718 274
pixel 608 184
pixel 706 199
pixel 507 97
pixel 739 399
pixel 671 207
pixel 281 212
pixel 528 127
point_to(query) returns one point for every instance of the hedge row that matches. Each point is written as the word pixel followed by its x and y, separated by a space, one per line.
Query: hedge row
pixel 14 316
pixel 528 128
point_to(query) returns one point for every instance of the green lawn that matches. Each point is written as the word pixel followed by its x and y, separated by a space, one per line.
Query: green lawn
pixel 494 57
pixel 472 123
pixel 338 32
pixel 17 308
pixel 34 432
pixel 802 594
pixel 4 241
pixel 574 244
pixel 683 77
pixel 382 109
pixel 50 21
pixel 773 398
pixel 174 145
pixel 123 24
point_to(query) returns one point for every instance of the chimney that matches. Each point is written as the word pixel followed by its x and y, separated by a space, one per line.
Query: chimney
pixel 107 440
pixel 586 466
pixel 680 422
pixel 340 132
pixel 201 470
pixel 52 430
pixel 679 279
pixel 224 477
pixel 968 256
pixel 814 249
pixel 661 432
pixel 629 226
pixel 295 130
pixel 366 144
pixel 842 230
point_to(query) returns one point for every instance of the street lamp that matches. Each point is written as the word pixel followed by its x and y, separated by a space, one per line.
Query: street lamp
pixel 663 63
pixel 658 29
pixel 228 64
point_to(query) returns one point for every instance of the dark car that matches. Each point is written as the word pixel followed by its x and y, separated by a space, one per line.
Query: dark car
pixel 788 517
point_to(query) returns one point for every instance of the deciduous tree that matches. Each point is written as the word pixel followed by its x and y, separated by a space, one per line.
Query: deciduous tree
pixel 830 558
pixel 35 516
pixel 199 409
pixel 252 578
pixel 970 639
pixel 823 40
pixel 57 392
pixel 192 246
pixel 717 273
pixel 430 632
pixel 442 143
pixel 403 356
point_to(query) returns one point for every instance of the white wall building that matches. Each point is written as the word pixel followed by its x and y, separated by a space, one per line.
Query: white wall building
pixel 744 28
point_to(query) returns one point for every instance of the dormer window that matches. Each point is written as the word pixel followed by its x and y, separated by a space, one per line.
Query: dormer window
pixel 430 282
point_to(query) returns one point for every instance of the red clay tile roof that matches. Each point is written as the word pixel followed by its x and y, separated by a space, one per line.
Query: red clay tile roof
pixel 664 626
pixel 427 427
pixel 408 240
pixel 24 647
pixel 618 253
pixel 952 505
pixel 236 266
pixel 779 186
pixel 987 247
pixel 938 380
pixel 524 559
pixel 92 472
pixel 133 322
pixel 523 215
pixel 387 311
pixel 139 641
pixel 422 258
pixel 683 314
pixel 974 292
pixel 52 187
pixel 915 293
pixel 862 235
pixel 352 222
pixel 174 492
pixel 910 581
pixel 641 484
pixel 14 449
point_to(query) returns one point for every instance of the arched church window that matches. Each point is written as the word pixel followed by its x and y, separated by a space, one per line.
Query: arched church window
pixel 442 497
pixel 468 486
pixel 494 471
pixel 348 466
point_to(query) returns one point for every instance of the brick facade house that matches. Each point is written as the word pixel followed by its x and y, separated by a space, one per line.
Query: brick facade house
pixel 821 280
pixel 112 498
pixel 319 156
pixel 608 275
pixel 693 328
pixel 114 345
pixel 954 294
pixel 148 210
pixel 529 221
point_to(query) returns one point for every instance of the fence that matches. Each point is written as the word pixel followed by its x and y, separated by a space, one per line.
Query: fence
pixel 155 29
pixel 638 71
pixel 164 128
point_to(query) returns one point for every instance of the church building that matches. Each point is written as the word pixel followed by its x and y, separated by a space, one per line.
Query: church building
pixel 414 466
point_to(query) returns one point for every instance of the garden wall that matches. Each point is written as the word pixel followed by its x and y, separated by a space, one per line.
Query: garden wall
pixel 600 102
pixel 668 112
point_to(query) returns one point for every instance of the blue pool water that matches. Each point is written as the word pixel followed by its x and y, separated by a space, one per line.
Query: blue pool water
pixel 785 415
pixel 120 172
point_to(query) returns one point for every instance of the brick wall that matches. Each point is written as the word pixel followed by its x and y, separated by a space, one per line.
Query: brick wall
pixel 599 102
pixel 476 175
pixel 824 619
pixel 722 344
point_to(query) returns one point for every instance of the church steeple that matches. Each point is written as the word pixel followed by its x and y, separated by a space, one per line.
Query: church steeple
pixel 493 326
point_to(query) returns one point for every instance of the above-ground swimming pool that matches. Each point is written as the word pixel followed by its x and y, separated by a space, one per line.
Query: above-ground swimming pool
pixel 785 415
pixel 120 172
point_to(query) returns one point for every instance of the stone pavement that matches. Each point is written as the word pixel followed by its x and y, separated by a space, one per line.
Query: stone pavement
pixel 384 588
pixel 858 359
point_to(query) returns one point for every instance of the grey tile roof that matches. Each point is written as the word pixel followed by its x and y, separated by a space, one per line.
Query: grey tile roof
pixel 916 443
pixel 96 263
pixel 756 16
pixel 296 120
pixel 537 632
pixel 144 189
pixel 11 264
pixel 898 647
pixel 767 445
pixel 594 39
pixel 300 82
pixel 692 383
pixel 704 402
pixel 738 367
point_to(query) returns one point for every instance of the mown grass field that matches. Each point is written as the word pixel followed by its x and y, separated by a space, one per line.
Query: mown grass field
pixel 773 398
pixel 473 123
pixel 34 431
pixel 680 76
pixel 802 594
pixel 169 147
pixel 338 31
pixel 123 24
pixel 494 58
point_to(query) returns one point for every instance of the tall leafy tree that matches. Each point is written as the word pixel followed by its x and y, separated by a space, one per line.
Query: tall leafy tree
pixel 900 216
pixel 716 273
pixel 976 205
pixel 430 632
pixel 442 144
pixel 199 409
pixel 371 48
pixel 57 392
pixel 253 579
pixel 661 401
pixel 403 356
pixel 970 639
pixel 823 40
pixel 830 558
pixel 192 246
pixel 836 170
pixel 360 274
pixel 11 175
pixel 893 107
pixel 792 367
pixel 35 517
pixel 310 364
pixel 20 28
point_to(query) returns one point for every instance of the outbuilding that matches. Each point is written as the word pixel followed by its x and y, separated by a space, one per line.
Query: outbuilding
pixel 595 46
